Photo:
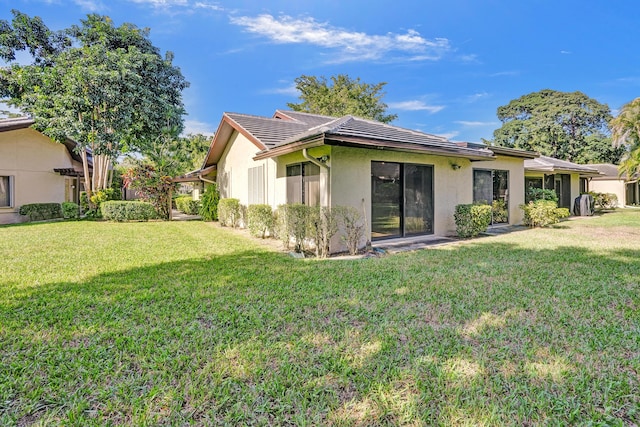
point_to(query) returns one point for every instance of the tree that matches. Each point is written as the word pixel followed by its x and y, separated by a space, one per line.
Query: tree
pixel 565 125
pixel 344 96
pixel 625 133
pixel 106 87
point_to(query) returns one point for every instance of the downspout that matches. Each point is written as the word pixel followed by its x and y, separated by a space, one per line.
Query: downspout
pixel 321 165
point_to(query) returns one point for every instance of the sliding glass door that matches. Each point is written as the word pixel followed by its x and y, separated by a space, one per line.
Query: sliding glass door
pixel 492 187
pixel 401 199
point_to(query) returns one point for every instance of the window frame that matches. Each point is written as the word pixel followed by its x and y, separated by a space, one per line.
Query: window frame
pixel 302 183
pixel 10 188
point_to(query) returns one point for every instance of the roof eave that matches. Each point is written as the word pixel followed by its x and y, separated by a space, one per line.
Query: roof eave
pixel 290 148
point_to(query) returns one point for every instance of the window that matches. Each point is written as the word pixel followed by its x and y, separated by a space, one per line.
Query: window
pixel 5 191
pixel 492 187
pixel 303 184
pixel 256 185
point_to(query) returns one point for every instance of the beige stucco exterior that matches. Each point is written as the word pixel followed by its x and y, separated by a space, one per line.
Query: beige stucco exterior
pixel 614 186
pixel 345 178
pixel 28 158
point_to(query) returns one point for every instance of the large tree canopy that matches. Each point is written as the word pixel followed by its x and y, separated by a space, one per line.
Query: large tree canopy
pixel 106 87
pixel 340 97
pixel 625 132
pixel 566 125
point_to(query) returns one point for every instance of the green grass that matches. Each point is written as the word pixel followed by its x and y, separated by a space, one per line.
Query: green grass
pixel 186 323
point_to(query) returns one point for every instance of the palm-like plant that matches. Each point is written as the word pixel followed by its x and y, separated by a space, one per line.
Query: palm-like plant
pixel 625 132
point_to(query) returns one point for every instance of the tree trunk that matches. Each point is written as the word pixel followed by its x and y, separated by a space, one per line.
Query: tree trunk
pixel 87 178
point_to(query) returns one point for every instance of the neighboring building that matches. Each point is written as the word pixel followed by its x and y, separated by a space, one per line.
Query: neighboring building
pixel 34 169
pixel 612 181
pixel 406 182
pixel 568 179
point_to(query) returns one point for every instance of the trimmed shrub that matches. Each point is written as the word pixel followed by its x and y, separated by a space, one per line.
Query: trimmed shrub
pixel 70 210
pixel 229 212
pixel 128 211
pixel 541 213
pixel 353 227
pixel 293 224
pixel 209 203
pixel 41 211
pixel 472 220
pixel 499 211
pixel 605 200
pixel 260 220
pixel 187 205
pixel 323 225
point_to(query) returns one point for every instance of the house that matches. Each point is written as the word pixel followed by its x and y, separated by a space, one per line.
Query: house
pixel 612 181
pixel 405 182
pixel 34 169
pixel 567 179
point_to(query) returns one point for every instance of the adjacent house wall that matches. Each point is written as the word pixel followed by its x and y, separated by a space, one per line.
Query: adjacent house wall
pixel 30 157
pixel 614 186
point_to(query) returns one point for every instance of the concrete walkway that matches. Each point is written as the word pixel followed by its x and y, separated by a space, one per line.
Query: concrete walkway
pixel 403 244
pixel 180 216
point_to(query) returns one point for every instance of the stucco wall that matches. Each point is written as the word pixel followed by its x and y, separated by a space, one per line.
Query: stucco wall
pixel 30 158
pixel 351 181
pixel 615 186
pixel 233 170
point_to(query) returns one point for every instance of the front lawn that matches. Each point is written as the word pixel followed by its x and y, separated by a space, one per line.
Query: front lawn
pixel 186 323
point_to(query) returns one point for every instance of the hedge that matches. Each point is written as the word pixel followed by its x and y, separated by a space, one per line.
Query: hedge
pixel 128 211
pixel 541 213
pixel 41 211
pixel 187 205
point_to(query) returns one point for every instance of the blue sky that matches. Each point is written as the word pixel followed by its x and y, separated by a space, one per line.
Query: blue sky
pixel 448 64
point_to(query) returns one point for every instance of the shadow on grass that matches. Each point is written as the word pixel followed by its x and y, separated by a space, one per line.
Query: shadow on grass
pixel 477 333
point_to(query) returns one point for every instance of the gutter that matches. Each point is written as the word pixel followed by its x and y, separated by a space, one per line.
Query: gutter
pixel 321 165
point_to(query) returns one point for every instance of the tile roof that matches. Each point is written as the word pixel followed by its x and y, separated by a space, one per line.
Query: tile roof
pixel 550 164
pixel 609 171
pixel 268 131
pixel 311 119
pixel 15 123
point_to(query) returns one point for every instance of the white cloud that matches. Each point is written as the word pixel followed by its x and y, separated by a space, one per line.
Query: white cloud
pixel 449 135
pixel 289 90
pixel 475 124
pixel 90 5
pixel 415 105
pixel 349 45
pixel 476 97
pixel 566 52
pixel 195 127
pixel 181 5
pixel 505 73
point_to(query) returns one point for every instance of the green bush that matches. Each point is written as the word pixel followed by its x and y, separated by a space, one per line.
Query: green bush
pixel 534 194
pixel 352 226
pixel 260 220
pixel 229 212
pixel 41 211
pixel 128 211
pixel 187 205
pixel 472 220
pixel 541 213
pixel 605 200
pixel 293 224
pixel 209 203
pixel 70 210
pixel 499 211
pixel 322 226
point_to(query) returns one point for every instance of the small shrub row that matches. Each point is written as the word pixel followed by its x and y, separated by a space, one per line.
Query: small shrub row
pixel 187 205
pixel 472 220
pixel 541 213
pixel 128 211
pixel 41 211
pixel 304 227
